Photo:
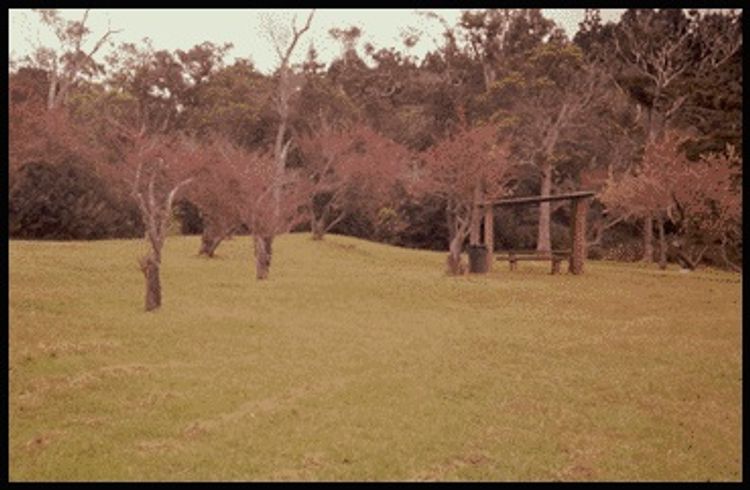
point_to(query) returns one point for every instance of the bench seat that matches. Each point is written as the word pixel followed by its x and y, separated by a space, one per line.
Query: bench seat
pixel 555 258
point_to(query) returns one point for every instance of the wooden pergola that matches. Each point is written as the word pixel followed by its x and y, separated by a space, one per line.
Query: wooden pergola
pixel 579 207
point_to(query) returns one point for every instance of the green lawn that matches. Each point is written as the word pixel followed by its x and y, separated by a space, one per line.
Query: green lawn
pixel 359 361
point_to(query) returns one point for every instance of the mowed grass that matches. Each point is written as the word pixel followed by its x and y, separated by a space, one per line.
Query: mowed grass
pixel 360 361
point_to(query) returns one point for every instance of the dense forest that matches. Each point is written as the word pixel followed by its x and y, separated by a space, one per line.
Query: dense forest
pixel 646 112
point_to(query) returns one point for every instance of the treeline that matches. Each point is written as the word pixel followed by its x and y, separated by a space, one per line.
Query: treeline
pixel 387 147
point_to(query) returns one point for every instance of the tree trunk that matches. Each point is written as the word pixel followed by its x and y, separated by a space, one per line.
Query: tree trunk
pixel 662 243
pixel 654 129
pixel 280 157
pixel 262 255
pixel 476 219
pixel 210 240
pixel 280 147
pixel 455 267
pixel 543 243
pixel 489 235
pixel 52 92
pixel 455 244
pixel 318 228
pixel 214 232
pixel 489 75
pixel 648 239
pixel 451 222
pixel 209 244
pixel 318 224
pixel 150 268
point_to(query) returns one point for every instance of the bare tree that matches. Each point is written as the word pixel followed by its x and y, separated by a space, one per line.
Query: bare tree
pixel 265 226
pixel 66 65
pixel 575 99
pixel 288 85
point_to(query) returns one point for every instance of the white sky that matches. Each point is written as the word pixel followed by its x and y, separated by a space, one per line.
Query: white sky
pixel 184 28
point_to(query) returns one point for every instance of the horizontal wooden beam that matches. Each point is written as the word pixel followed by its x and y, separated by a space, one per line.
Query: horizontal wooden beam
pixel 530 252
pixel 538 199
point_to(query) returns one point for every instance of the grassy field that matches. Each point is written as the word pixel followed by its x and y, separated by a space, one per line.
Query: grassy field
pixel 359 361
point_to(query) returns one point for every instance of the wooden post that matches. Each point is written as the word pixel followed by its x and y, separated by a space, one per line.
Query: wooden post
pixel 555 265
pixel 662 242
pixel 474 227
pixel 579 209
pixel 489 235
pixel 475 224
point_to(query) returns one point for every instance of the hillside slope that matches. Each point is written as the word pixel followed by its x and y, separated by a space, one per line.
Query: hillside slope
pixel 361 361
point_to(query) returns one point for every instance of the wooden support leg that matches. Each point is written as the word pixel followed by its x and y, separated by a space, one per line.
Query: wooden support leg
pixel 489 235
pixel 555 266
pixel 512 261
pixel 578 235
pixel 476 219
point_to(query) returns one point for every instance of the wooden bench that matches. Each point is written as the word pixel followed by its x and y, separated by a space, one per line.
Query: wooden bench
pixel 514 256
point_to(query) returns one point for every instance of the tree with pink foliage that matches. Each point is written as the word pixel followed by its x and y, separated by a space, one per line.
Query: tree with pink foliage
pixel 709 212
pixel 700 198
pixel 348 169
pixel 218 196
pixel 267 204
pixel 469 166
pixel 156 169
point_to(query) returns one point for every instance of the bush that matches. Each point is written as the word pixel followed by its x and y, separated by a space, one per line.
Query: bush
pixel 67 202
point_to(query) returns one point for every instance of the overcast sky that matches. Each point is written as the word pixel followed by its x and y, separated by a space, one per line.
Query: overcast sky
pixel 184 28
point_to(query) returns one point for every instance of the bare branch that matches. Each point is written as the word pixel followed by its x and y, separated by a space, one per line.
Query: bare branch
pixel 124 130
pixel 284 55
pixel 675 106
pixel 85 16
pixel 612 223
pixel 175 189
pixel 164 124
pixel 136 190
pixel 276 43
pixel 699 256
pixel 151 196
pixel 724 255
pixel 336 221
pixel 637 62
pixel 285 150
pixel 102 40
pixel 297 34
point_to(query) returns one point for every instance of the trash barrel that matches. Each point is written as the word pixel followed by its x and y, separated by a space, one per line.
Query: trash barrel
pixel 477 258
